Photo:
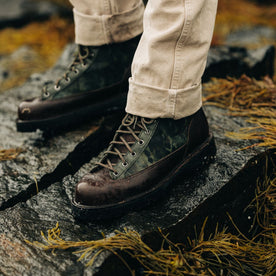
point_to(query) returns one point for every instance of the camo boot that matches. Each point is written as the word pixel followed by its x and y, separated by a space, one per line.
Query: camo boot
pixel 143 158
pixel 95 83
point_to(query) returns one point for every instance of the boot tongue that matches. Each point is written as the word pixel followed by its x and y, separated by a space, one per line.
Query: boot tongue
pixel 130 121
pixel 86 51
pixel 127 134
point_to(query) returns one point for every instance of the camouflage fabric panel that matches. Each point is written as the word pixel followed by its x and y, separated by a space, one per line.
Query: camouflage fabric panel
pixel 106 67
pixel 168 136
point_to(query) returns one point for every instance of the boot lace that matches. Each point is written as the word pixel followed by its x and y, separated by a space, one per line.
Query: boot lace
pixel 125 137
pixel 80 58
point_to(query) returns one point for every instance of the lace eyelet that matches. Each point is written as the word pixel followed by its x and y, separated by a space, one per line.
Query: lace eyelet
pixel 115 173
pixel 84 64
pixel 124 164
pixel 141 142
pixel 46 94
pixel 57 88
pixel 76 71
pixel 133 153
pixel 67 79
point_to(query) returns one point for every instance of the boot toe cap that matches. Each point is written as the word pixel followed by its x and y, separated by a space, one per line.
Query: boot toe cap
pixel 25 109
pixel 94 190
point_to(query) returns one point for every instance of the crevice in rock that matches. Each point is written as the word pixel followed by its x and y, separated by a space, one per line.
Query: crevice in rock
pixel 82 153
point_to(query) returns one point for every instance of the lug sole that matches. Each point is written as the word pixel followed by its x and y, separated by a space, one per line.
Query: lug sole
pixel 72 118
pixel 201 156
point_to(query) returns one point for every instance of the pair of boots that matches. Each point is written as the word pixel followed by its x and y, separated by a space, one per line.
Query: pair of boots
pixel 144 155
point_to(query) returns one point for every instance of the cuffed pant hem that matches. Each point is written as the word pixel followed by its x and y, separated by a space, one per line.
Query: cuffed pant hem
pixel 97 30
pixel 154 102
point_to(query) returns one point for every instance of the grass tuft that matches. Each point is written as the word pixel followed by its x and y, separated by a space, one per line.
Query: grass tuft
pixel 9 154
pixel 223 253
pixel 247 97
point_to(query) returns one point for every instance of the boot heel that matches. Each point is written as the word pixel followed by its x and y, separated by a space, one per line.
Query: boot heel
pixel 199 158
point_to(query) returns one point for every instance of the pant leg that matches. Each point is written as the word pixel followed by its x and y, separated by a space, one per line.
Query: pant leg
pixel 99 22
pixel 171 58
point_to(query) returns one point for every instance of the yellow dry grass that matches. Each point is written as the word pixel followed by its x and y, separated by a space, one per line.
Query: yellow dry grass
pixel 47 39
pixel 235 14
pixel 250 98
pixel 223 253
pixel 245 95
pixel 264 132
pixel 9 154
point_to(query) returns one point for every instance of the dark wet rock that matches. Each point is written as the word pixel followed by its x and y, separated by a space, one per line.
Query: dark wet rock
pixel 31 163
pixel 233 61
pixel 264 2
pixel 42 211
pixel 251 36
pixel 37 187
pixel 18 12
pixel 19 179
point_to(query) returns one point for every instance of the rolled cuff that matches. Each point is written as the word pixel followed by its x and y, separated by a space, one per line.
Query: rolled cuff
pixel 98 30
pixel 154 102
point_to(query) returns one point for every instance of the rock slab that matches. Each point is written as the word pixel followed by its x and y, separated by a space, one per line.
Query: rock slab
pixel 234 61
pixel 37 187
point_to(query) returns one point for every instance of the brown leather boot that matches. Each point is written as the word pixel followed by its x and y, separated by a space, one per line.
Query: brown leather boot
pixel 94 84
pixel 141 161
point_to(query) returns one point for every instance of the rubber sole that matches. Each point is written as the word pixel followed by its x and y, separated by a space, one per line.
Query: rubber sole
pixel 73 117
pixel 201 156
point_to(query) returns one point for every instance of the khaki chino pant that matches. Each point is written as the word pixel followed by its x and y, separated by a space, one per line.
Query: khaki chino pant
pixel 171 56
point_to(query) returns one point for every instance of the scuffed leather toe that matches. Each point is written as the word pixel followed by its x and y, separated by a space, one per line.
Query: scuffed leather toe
pixel 25 109
pixel 95 189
